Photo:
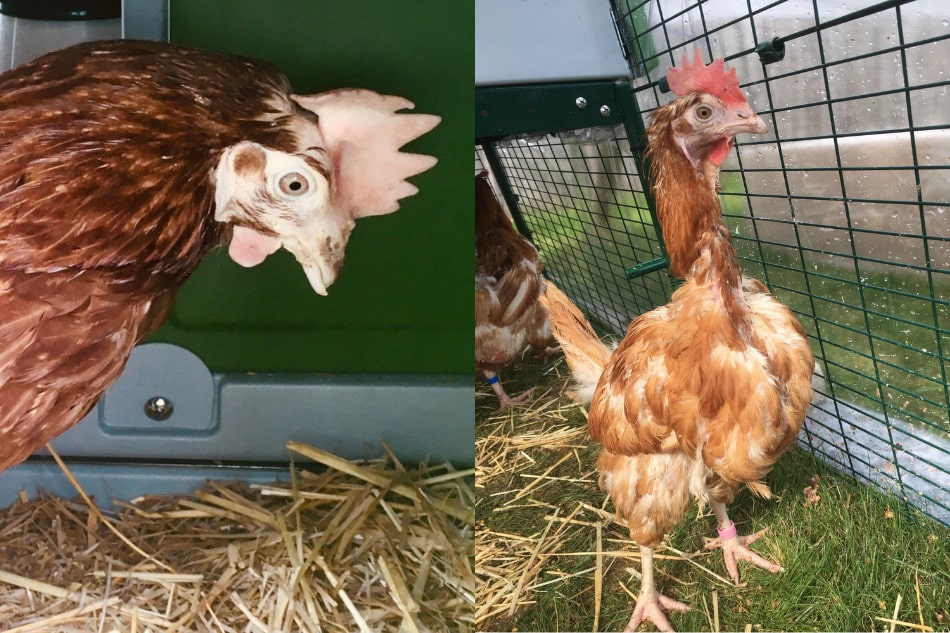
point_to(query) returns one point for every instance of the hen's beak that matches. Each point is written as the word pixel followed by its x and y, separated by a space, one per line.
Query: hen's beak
pixel 318 278
pixel 748 122
pixel 320 265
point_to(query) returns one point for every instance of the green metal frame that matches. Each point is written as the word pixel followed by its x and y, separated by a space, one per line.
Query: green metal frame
pixel 502 111
pixel 551 108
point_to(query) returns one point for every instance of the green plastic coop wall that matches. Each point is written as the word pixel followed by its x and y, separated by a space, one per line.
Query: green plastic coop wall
pixel 402 303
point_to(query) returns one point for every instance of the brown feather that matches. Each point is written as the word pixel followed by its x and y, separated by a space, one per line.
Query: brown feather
pixel 55 365
pixel 508 279
pixel 585 353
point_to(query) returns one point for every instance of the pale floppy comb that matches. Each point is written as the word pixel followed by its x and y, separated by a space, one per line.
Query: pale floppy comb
pixel 713 79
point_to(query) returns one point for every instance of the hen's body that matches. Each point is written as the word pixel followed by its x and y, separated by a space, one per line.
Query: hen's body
pixel 702 394
pixel 508 279
pixel 108 154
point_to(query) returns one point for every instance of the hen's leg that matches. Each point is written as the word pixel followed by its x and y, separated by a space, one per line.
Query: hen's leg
pixel 651 605
pixel 734 547
pixel 504 400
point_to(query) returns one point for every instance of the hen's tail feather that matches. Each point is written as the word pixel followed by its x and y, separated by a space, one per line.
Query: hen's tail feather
pixel 585 353
pixel 759 489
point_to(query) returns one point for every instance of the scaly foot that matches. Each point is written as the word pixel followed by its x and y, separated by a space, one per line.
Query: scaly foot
pixel 734 549
pixel 651 607
pixel 505 401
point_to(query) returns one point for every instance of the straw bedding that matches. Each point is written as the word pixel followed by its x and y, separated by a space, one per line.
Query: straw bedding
pixel 349 547
pixel 539 461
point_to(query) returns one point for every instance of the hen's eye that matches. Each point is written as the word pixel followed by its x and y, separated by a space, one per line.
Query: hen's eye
pixel 293 184
pixel 703 112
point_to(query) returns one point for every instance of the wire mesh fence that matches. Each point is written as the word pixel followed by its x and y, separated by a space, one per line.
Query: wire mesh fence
pixel 840 208
pixel 586 212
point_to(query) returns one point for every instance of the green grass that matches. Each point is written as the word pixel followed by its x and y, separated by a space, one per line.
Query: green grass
pixel 846 558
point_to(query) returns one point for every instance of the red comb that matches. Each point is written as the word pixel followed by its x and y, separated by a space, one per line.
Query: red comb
pixel 712 79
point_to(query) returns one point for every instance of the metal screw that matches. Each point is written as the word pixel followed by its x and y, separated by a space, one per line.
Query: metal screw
pixel 604 110
pixel 581 103
pixel 159 408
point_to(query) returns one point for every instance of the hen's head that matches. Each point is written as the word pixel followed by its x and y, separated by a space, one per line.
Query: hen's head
pixel 709 112
pixel 347 166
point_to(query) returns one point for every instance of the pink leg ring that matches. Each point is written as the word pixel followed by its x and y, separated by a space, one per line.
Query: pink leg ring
pixel 727 532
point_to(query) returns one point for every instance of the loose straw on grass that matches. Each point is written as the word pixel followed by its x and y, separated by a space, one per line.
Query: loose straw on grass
pixel 910 625
pixel 627 591
pixel 715 601
pixel 527 489
pixel 689 559
pixel 894 622
pixel 897 608
pixel 527 568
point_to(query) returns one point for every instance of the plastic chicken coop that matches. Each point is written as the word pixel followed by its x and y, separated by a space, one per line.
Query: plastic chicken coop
pixel 253 358
pixel 841 208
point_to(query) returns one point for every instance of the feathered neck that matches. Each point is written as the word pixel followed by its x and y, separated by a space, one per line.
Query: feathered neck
pixel 688 208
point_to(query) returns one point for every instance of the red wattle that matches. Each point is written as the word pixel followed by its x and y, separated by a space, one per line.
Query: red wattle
pixel 720 150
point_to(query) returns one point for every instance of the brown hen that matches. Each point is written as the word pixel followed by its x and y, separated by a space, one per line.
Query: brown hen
pixel 508 279
pixel 123 163
pixel 705 393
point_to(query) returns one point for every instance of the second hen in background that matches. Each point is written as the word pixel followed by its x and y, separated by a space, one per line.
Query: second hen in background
pixel 508 281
